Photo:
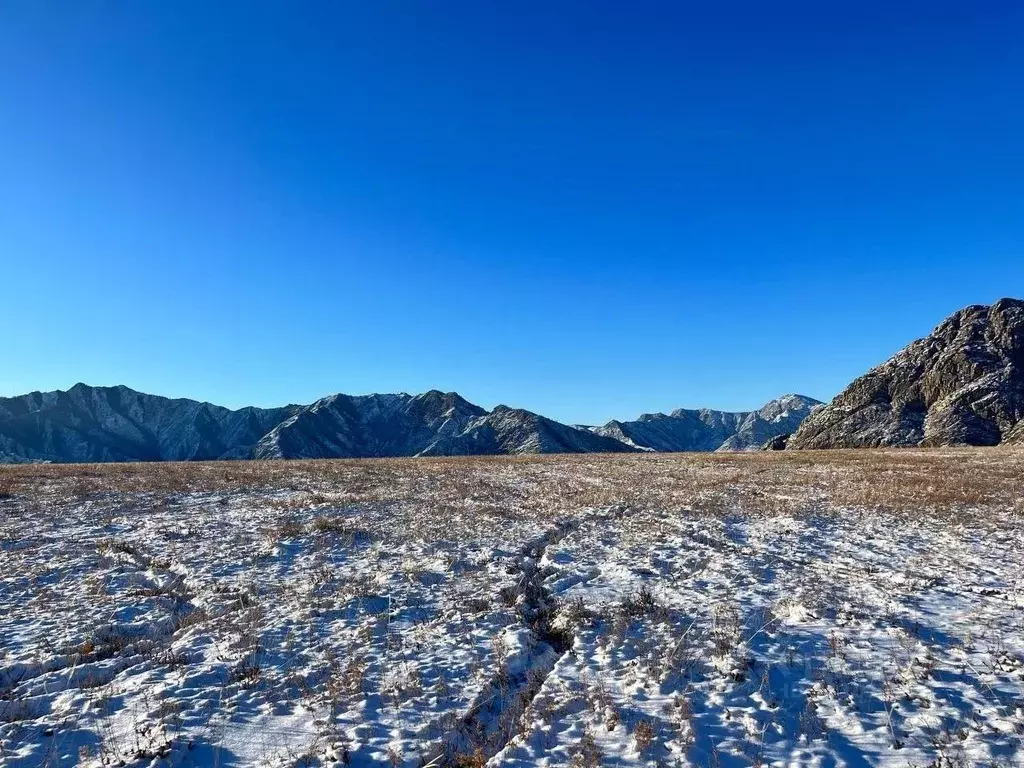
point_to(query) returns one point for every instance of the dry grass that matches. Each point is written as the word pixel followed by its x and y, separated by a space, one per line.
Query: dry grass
pixel 936 481
pixel 8 484
pixel 319 578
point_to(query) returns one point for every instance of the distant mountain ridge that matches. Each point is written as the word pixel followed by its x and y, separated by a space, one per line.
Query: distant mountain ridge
pixel 343 426
pixel 514 430
pixel 961 385
pixel 710 430
pixel 92 424
pixel 99 424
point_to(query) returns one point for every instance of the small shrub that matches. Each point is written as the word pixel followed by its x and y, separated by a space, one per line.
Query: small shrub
pixel 477 605
pixel 611 722
pixel 353 677
pixel 289 529
pixel 118 546
pixel 642 603
pixel 586 754
pixel 813 727
pixel 475 759
pixel 339 526
pixel 324 524
pixel 726 629
pixel 246 673
pixel 574 613
pixel 188 619
pixel 643 735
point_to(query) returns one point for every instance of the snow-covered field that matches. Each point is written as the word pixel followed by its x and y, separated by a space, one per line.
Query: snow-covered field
pixel 862 608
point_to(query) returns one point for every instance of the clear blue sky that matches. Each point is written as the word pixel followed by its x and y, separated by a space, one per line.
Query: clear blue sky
pixel 587 209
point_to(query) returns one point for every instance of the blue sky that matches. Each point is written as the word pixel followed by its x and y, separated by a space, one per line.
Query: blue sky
pixel 587 209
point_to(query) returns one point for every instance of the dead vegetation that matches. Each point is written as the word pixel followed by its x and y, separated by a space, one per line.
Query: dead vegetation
pixel 323 582
pixel 7 485
pixel 942 481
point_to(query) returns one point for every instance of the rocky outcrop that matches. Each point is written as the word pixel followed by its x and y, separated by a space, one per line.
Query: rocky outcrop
pixel 961 385
pixel 777 443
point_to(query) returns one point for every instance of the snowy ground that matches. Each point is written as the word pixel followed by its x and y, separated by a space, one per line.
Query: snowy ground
pixel 852 609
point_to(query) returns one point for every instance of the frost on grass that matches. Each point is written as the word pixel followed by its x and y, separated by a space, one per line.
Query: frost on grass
pixel 861 608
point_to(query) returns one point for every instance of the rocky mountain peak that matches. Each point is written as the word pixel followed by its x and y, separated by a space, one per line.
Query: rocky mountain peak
pixel 961 385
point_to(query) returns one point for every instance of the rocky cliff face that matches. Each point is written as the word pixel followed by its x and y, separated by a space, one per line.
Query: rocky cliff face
pixel 962 385
pixel 708 430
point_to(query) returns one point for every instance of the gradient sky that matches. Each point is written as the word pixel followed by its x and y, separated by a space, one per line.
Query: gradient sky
pixel 590 210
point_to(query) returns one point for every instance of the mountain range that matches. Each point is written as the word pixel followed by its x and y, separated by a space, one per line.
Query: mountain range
pixel 961 385
pixel 96 424
pixel 708 430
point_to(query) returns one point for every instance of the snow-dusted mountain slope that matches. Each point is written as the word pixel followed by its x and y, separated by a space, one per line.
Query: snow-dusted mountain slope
pixel 778 417
pixel 342 426
pixel 86 424
pixel 431 424
pixel 708 430
pixel 512 430
pixel 93 424
pixel 90 424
